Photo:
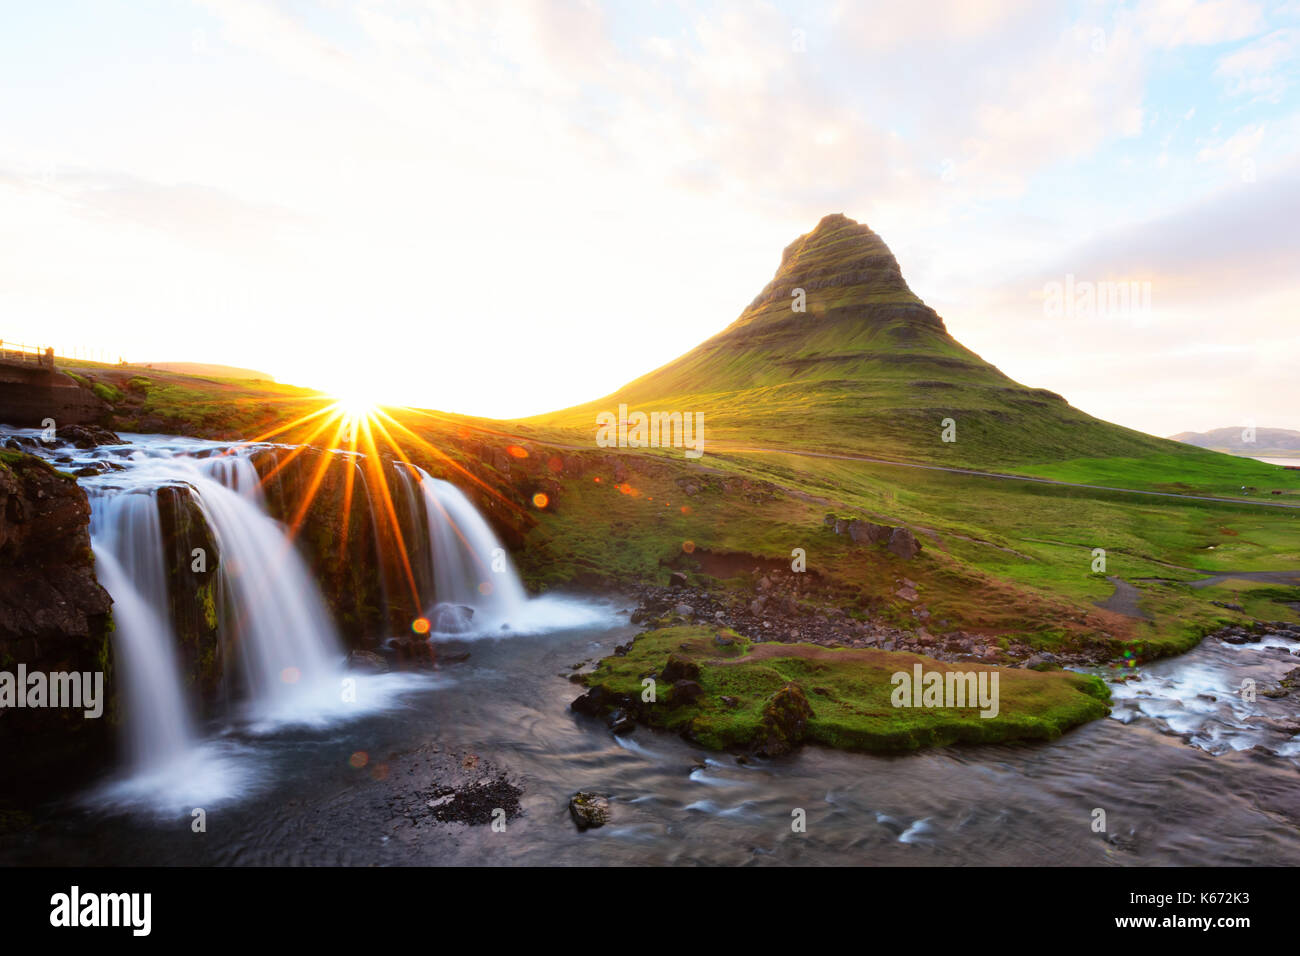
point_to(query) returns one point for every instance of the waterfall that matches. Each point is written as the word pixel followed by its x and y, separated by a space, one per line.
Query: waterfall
pixel 270 611
pixel 128 545
pixel 289 651
pixel 469 567
pixel 283 655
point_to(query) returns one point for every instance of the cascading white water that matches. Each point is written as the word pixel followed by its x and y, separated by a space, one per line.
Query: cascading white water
pixel 272 619
pixel 271 615
pixel 127 539
pixel 469 566
pixel 271 608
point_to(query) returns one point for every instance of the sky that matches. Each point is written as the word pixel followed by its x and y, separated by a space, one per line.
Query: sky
pixel 505 207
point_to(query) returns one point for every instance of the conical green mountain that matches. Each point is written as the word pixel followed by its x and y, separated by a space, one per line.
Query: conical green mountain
pixel 865 368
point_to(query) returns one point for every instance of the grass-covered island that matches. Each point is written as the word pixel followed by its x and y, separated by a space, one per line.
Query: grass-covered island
pixel 723 691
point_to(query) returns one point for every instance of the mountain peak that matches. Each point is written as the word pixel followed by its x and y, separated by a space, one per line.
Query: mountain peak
pixel 859 364
pixel 839 253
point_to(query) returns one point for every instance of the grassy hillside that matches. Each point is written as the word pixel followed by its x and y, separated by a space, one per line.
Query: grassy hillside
pixel 143 399
pixel 210 370
pixel 867 369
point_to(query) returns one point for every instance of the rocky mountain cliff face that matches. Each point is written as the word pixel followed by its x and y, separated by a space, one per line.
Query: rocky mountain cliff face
pixel 838 308
pixel 54 616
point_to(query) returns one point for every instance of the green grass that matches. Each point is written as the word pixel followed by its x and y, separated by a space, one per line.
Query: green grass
pixel 185 404
pixel 1214 473
pixel 107 392
pixel 1001 558
pixel 849 691
pixel 10 460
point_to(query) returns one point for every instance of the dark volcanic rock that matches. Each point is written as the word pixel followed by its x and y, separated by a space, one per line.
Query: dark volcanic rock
pixel 367 662
pixel 621 722
pixel 685 692
pixel 476 804
pixel 588 810
pixel 54 616
pixel 680 668
pixel 867 532
pixel 785 721
pixel 87 436
pixel 359 574
pixel 904 544
pixel 191 560
pixel 599 701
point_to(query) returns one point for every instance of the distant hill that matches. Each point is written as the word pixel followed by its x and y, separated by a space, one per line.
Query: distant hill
pixel 866 367
pixel 212 371
pixel 1274 442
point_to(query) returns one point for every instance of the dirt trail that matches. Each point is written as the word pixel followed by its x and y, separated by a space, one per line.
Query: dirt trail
pixel 1124 600
pixel 1271 577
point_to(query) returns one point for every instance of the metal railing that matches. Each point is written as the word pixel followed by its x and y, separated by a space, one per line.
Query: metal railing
pixel 16 352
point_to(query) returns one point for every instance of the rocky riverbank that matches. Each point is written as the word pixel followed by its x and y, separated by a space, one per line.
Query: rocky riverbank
pixel 54 618
pixel 788 608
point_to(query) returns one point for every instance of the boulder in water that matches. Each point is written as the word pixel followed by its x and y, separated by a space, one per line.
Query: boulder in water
pixel 451 618
pixel 367 661
pixel 588 810
pixel 88 436
pixel 621 722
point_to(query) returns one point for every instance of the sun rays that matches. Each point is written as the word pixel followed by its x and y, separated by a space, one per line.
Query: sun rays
pixel 355 434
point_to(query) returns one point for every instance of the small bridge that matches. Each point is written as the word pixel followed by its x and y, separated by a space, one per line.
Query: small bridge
pixel 14 353
pixel 33 390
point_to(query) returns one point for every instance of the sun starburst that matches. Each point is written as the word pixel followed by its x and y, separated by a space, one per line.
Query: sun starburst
pixel 363 438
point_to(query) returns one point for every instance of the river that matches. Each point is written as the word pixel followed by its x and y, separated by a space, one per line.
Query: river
pixel 1172 769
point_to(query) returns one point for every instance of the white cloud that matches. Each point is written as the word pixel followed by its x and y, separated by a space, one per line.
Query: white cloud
pixel 1175 23
pixel 1235 149
pixel 1259 68
pixel 601 191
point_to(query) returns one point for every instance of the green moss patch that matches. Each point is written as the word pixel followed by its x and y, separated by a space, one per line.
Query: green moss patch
pixel 725 691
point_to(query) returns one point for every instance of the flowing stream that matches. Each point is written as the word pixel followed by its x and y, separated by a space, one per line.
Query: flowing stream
pixel 1168 799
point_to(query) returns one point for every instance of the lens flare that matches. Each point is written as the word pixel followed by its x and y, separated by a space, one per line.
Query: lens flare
pixel 354 403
